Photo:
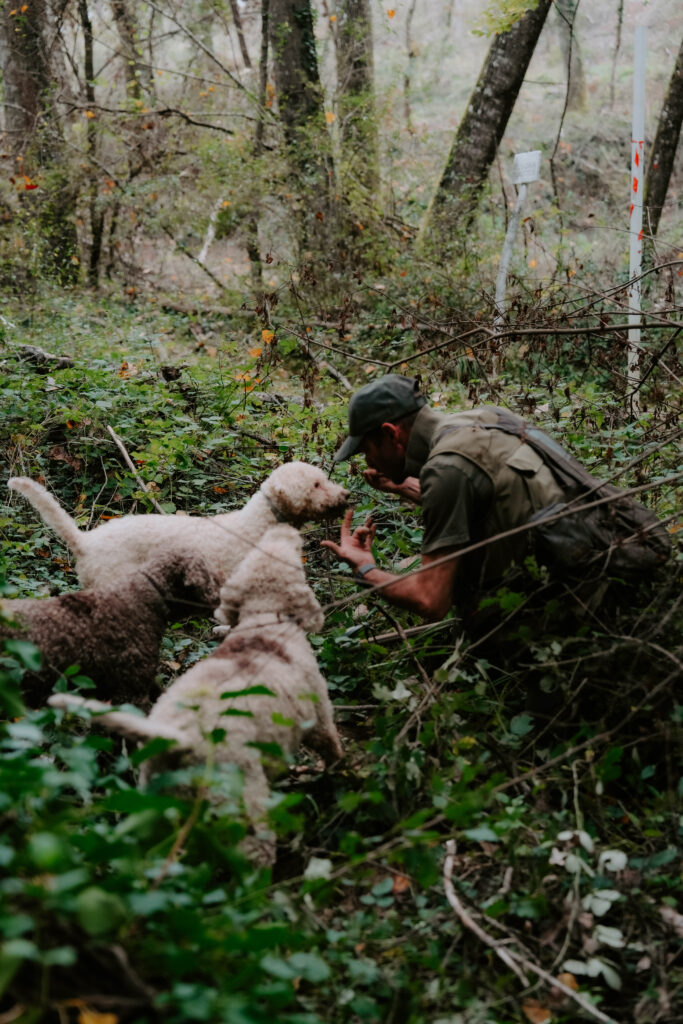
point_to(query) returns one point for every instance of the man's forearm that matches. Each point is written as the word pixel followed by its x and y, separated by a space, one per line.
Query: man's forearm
pixel 404 592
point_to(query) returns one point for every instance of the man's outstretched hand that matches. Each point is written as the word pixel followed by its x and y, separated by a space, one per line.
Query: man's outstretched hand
pixel 354 548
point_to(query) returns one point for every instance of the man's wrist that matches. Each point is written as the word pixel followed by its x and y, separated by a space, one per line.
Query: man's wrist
pixel 362 570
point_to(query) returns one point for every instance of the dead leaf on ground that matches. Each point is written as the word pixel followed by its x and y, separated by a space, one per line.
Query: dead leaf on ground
pixel 401 884
pixel 58 453
pixel 535 1012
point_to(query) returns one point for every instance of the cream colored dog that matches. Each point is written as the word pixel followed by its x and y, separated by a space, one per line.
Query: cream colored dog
pixel 270 606
pixel 294 493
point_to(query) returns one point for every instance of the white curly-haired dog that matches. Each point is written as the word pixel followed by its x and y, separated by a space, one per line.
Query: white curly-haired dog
pixel 270 607
pixel 294 493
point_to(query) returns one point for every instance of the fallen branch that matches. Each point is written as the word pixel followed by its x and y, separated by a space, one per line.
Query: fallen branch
pixel 265 441
pixel 39 357
pixel 129 463
pixel 515 961
pixel 428 627
pixel 178 307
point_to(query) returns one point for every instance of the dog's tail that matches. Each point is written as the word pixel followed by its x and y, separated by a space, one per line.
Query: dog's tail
pixel 51 512
pixel 133 727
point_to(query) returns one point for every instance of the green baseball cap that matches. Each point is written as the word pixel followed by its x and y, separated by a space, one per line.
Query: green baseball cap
pixel 385 400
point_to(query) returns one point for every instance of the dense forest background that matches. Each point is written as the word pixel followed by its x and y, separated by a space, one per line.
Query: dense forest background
pixel 216 221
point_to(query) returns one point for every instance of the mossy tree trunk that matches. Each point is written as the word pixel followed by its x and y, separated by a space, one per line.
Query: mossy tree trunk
pixel 359 164
pixel 302 115
pixel 35 135
pixel 663 152
pixel 140 77
pixel 96 210
pixel 253 248
pixel 481 129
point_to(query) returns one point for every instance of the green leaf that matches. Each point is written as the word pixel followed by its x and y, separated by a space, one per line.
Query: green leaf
pixel 278 719
pixel 522 724
pixel 46 850
pixel 482 834
pixel 310 967
pixel 61 956
pixel 99 911
pixel 250 691
pixel 27 653
pixel 278 967
pixel 383 887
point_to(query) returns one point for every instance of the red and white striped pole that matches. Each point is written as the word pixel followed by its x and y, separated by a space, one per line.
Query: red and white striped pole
pixel 636 215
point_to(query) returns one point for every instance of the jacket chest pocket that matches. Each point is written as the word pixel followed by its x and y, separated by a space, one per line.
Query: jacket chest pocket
pixel 525 460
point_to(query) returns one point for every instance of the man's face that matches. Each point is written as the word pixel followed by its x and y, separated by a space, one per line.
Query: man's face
pixel 386 455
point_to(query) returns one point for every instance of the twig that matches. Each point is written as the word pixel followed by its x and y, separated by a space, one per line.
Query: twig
pixel 521 331
pixel 177 847
pixel 39 357
pixel 428 627
pixel 322 364
pixel 14 1013
pixel 129 463
pixel 186 252
pixel 201 310
pixel 413 657
pixel 505 954
pixel 515 961
pixel 265 441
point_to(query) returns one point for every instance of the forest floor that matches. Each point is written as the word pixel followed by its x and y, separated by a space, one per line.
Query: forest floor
pixel 551 758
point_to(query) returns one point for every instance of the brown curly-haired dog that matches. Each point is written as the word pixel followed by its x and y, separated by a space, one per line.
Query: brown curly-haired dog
pixel 112 632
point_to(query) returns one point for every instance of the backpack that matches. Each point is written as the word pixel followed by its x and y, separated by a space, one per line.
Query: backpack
pixel 619 536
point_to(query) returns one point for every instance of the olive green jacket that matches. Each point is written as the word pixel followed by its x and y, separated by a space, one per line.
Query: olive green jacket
pixel 522 483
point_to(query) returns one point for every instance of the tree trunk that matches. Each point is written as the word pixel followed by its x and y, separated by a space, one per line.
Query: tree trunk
pixel 302 115
pixel 356 103
pixel 571 54
pixel 96 212
pixel 485 120
pixel 663 152
pixel 26 73
pixel 140 75
pixel 237 19
pixel 35 134
pixel 253 249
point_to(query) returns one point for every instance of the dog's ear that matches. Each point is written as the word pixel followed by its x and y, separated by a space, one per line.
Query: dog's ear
pixel 284 490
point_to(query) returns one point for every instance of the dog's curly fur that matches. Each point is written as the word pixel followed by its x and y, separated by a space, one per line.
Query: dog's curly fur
pixel 294 493
pixel 271 607
pixel 113 632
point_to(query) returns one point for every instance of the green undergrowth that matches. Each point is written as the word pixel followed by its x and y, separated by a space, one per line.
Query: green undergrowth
pixel 550 753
